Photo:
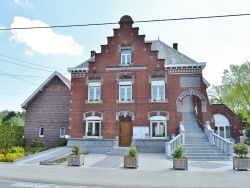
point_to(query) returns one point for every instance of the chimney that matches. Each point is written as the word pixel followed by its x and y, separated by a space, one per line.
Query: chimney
pixel 175 46
pixel 92 53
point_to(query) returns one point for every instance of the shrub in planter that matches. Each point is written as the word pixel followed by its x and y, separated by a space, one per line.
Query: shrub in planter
pixel 179 160
pixel 131 160
pixel 76 158
pixel 241 161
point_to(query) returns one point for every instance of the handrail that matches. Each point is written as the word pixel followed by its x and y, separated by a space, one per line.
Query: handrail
pixel 217 140
pixel 199 122
pixel 176 141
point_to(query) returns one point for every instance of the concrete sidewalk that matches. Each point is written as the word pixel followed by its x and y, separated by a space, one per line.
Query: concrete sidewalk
pixel 153 171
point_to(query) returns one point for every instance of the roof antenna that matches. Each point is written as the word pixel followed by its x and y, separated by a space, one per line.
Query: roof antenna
pixel 158 37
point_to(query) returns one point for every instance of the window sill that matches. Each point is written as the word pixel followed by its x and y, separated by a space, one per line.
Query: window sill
pixel 126 65
pixel 162 101
pixel 158 137
pixel 124 102
pixel 93 102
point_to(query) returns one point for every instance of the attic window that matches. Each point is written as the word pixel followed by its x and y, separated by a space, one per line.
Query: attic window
pixel 126 57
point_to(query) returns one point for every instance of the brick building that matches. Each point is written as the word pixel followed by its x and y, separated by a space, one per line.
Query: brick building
pixel 133 91
pixel 47 111
pixel 137 89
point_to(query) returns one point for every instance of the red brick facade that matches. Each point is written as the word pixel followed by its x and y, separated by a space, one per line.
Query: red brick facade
pixel 146 64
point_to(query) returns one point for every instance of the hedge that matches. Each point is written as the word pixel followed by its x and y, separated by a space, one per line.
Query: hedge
pixel 11 136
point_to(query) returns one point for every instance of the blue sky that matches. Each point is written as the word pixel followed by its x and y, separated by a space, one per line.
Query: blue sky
pixel 218 42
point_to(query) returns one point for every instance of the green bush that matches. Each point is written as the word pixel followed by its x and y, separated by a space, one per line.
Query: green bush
pixel 62 143
pixel 38 143
pixel 132 151
pixel 16 149
pixel 32 150
pixel 75 150
pixel 178 152
pixel 11 136
pixel 241 150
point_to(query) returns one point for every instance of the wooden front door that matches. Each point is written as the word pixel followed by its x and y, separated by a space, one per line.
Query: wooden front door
pixel 125 134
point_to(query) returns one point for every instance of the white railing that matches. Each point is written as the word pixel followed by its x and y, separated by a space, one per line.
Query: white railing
pixel 217 141
pixel 176 141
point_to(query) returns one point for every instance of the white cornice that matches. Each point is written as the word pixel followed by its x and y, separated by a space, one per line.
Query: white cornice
pixel 78 70
pixel 185 66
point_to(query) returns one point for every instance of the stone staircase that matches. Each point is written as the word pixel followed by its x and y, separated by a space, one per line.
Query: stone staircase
pixel 197 146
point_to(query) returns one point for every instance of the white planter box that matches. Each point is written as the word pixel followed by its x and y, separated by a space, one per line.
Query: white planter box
pixel 76 160
pixel 180 163
pixel 241 164
pixel 131 162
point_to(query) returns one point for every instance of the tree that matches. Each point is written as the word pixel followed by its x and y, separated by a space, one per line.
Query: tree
pixel 234 90
pixel 9 115
pixel 12 118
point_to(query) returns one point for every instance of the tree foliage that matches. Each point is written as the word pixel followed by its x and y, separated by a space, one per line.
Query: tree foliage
pixel 12 118
pixel 234 91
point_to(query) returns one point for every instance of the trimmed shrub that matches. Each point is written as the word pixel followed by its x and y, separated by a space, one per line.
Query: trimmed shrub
pixel 241 150
pixel 10 157
pixel 132 151
pixel 2 157
pixel 178 152
pixel 11 136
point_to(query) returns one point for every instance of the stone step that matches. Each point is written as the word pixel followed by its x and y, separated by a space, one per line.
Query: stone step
pixel 203 151
pixel 120 151
pixel 209 158
pixel 205 154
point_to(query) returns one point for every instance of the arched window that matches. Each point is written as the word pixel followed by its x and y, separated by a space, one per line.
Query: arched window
pixel 222 126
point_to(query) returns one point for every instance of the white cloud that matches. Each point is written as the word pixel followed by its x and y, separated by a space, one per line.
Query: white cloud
pixel 44 41
pixel 25 3
pixel 28 53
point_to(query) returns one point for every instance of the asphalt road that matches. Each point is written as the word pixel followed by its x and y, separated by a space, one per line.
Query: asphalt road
pixel 18 184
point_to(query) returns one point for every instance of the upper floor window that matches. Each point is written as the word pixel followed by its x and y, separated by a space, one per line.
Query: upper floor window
pixel 158 91
pixel 125 92
pixel 126 57
pixel 94 94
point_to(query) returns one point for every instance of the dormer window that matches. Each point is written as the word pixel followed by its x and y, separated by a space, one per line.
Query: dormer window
pixel 126 57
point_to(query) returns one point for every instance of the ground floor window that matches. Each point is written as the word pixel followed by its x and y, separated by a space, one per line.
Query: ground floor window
pixel 222 126
pixel 223 131
pixel 158 127
pixel 62 132
pixel 93 126
pixel 41 132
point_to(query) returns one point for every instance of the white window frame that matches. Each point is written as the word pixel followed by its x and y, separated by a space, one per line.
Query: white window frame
pixel 41 131
pixel 127 57
pixel 93 119
pixel 158 84
pixel 64 131
pixel 125 85
pixel 158 120
pixel 94 85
